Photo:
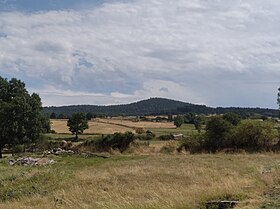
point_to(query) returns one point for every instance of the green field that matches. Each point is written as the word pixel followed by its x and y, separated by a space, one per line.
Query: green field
pixel 185 129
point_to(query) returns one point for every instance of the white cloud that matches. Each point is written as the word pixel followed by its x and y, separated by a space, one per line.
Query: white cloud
pixel 197 51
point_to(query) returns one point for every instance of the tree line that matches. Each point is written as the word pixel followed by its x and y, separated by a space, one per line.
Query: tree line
pixel 156 106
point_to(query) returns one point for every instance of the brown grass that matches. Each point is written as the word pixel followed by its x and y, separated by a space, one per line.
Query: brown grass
pixel 165 181
pixel 60 126
pixel 140 124
pixel 110 126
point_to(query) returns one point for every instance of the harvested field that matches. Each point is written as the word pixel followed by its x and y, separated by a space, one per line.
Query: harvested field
pixel 140 124
pixel 60 126
pixel 110 126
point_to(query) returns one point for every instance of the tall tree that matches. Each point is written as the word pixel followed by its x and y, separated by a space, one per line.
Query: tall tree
pixel 77 123
pixel 178 121
pixel 20 114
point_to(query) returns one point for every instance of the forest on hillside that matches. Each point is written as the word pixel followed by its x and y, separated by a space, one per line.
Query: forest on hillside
pixel 157 106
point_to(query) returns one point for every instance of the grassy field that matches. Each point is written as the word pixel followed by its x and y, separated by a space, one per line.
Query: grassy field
pixel 157 181
pixel 185 129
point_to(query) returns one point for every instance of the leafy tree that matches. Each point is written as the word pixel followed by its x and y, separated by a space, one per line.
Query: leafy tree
pixel 198 121
pixel 233 118
pixel 89 116
pixel 189 118
pixel 254 135
pixel 217 131
pixel 46 124
pixel 178 121
pixel 61 116
pixel 77 123
pixel 53 116
pixel 20 114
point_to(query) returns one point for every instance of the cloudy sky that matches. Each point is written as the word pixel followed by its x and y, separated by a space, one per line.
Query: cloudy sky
pixel 213 52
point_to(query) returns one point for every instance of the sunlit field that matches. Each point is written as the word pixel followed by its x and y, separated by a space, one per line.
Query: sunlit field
pixel 156 181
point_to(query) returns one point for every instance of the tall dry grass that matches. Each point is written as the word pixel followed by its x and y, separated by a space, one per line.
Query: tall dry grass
pixel 164 181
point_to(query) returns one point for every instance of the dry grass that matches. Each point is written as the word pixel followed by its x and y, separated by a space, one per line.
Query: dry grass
pixel 140 124
pixel 163 182
pixel 110 126
pixel 60 126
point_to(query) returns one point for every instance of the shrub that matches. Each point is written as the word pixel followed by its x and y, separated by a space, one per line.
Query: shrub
pixel 178 121
pixel 148 136
pixel 118 141
pixel 194 143
pixel 166 137
pixel 169 147
pixel 254 136
pixel 217 132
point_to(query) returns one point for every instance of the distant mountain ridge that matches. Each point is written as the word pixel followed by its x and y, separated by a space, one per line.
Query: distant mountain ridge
pixel 155 106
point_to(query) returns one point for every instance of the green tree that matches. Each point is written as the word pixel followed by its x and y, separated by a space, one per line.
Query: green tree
pixel 20 114
pixel 53 116
pixel 233 118
pixel 198 121
pixel 89 116
pixel 77 123
pixel 189 118
pixel 178 121
pixel 254 135
pixel 217 131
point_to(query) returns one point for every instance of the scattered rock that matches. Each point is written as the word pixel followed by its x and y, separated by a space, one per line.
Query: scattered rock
pixel 226 204
pixel 58 151
pixel 29 161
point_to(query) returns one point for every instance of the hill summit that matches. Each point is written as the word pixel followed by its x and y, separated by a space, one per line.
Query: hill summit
pixel 155 106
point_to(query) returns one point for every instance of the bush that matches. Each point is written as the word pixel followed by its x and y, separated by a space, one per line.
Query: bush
pixel 169 147
pixel 249 135
pixel 178 121
pixel 193 144
pixel 254 136
pixel 166 137
pixel 118 141
pixel 148 136
pixel 217 133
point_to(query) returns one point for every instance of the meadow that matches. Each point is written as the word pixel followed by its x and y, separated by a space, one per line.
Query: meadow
pixel 155 181
pixel 143 177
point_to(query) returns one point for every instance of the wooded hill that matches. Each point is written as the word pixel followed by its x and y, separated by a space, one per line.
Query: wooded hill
pixel 156 106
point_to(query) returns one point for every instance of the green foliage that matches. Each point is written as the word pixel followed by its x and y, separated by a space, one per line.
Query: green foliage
pixel 198 121
pixel 254 135
pixel 217 130
pixel 53 115
pixel 20 114
pixel 89 116
pixel 77 123
pixel 189 118
pixel 157 106
pixel 166 137
pixel 248 135
pixel 232 118
pixel 194 143
pixel 120 141
pixel 149 135
pixel 178 121
pixel 46 124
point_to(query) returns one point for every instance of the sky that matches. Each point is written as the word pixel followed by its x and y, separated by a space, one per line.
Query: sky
pixel 212 52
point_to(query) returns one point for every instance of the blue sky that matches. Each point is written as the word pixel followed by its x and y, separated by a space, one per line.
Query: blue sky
pixel 218 53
